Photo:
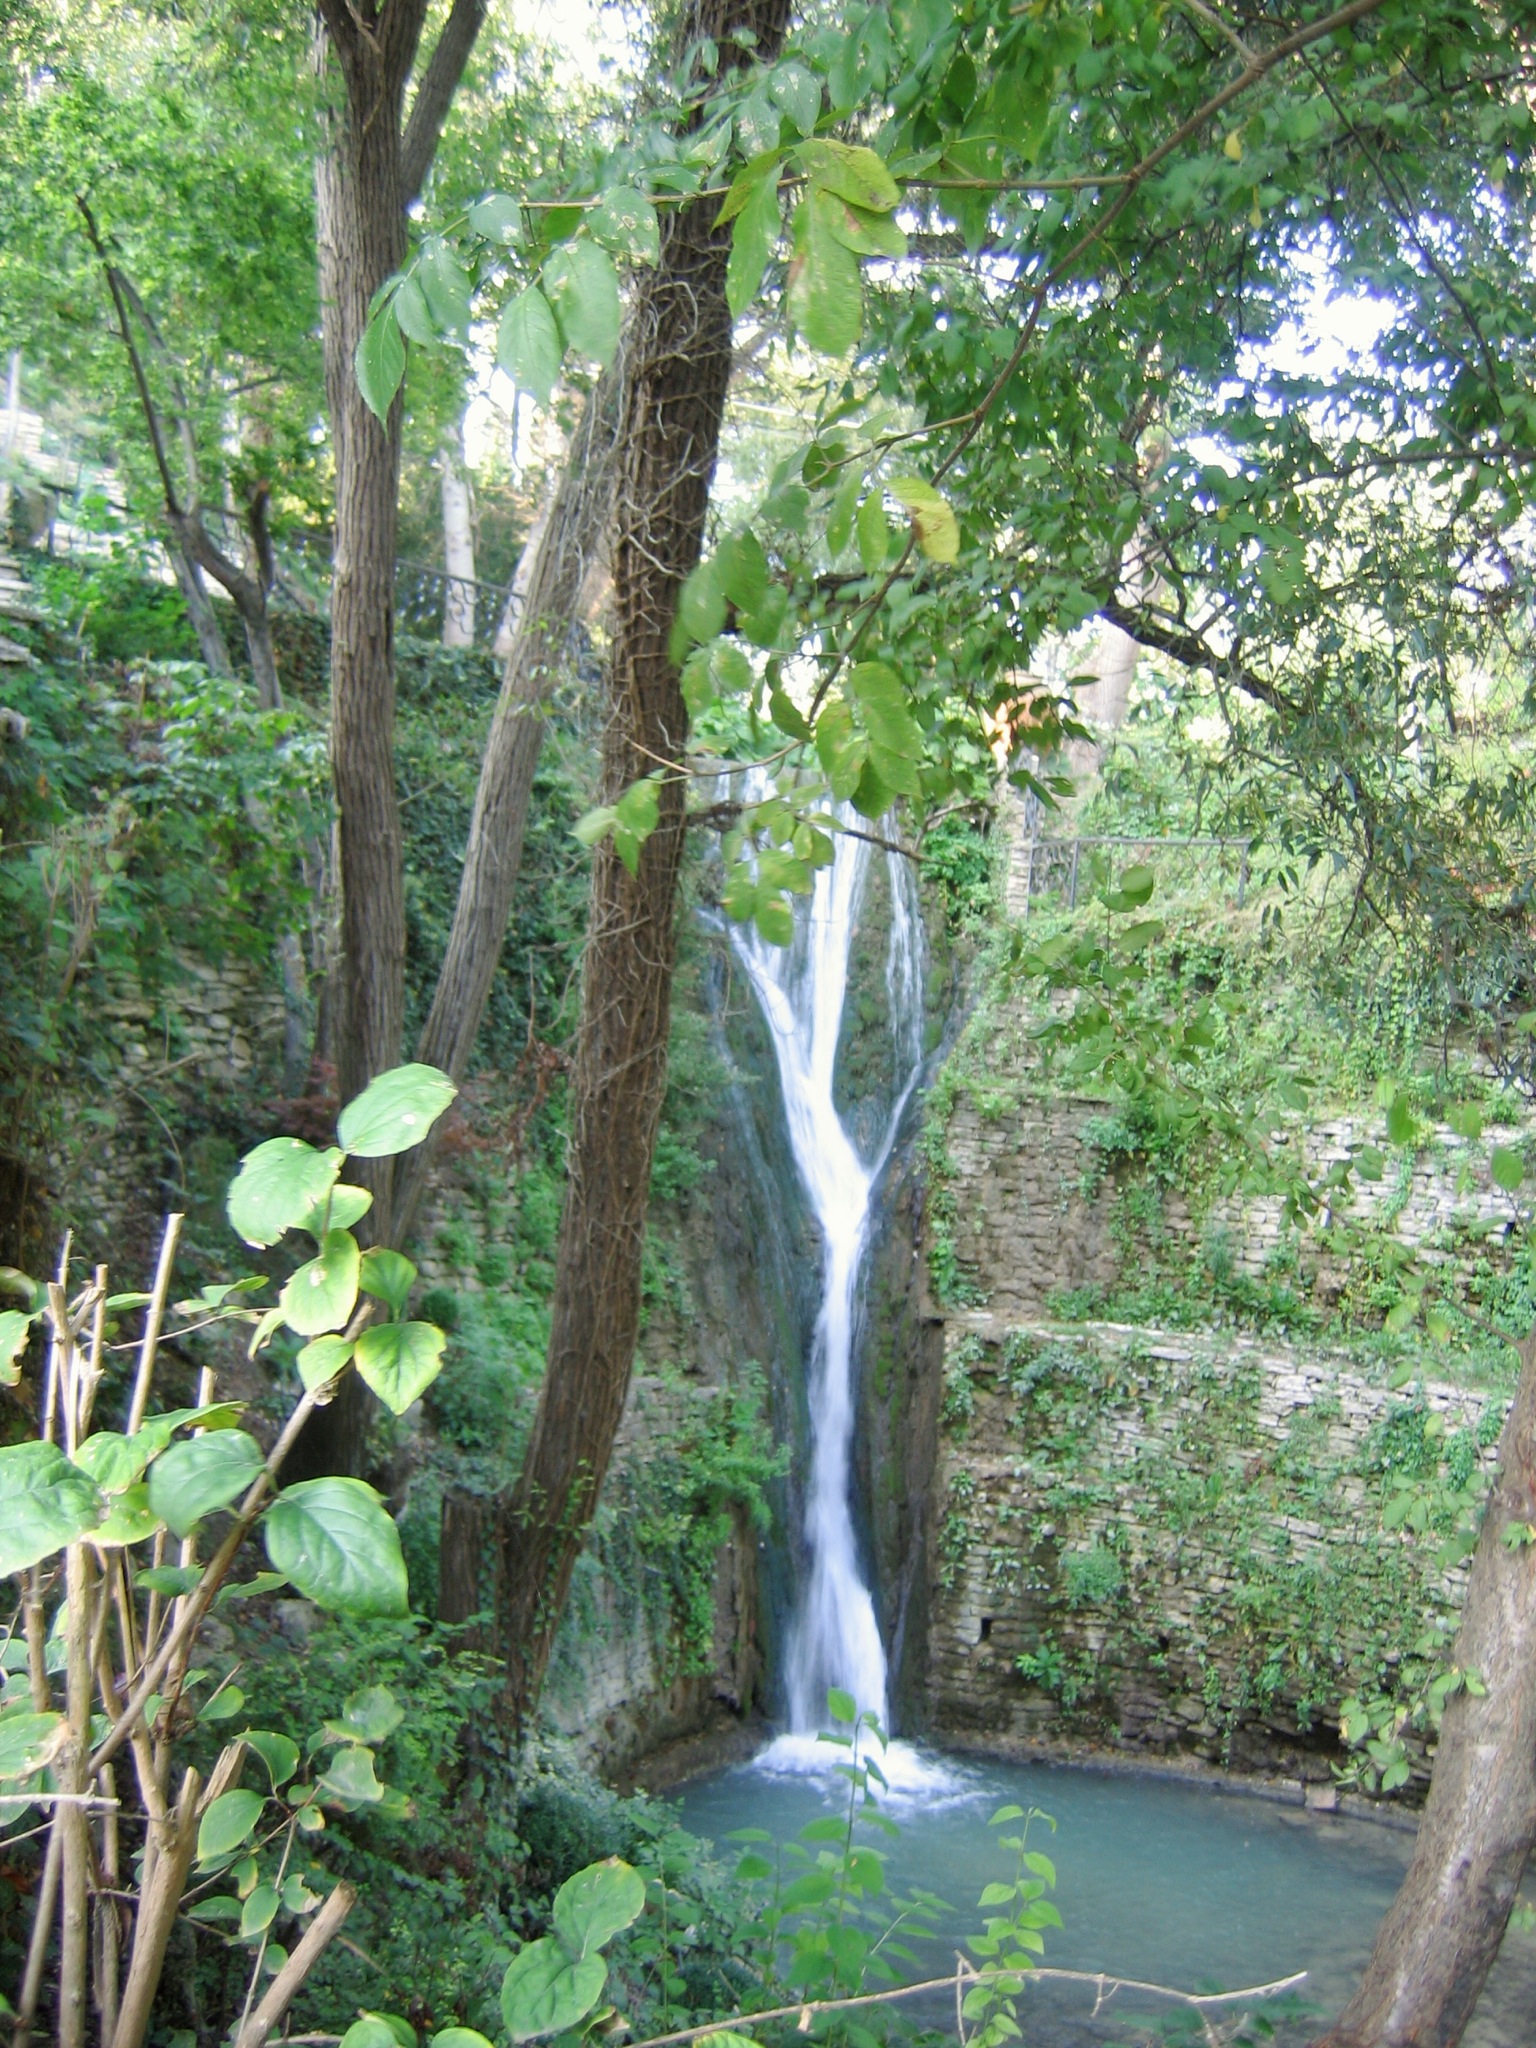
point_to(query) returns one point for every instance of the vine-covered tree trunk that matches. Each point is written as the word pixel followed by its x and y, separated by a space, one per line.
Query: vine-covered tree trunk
pixel 676 366
pixel 1440 1936
pixel 370 171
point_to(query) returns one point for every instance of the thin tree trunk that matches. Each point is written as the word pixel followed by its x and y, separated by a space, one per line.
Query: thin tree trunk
pixel 1441 1934
pixel 211 646
pixel 570 539
pixel 458 547
pixel 677 362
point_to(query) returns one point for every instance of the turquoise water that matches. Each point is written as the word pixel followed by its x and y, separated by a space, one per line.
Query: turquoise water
pixel 1159 1879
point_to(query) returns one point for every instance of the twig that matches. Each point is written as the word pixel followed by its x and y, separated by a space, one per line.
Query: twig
pixel 297 1967
pixel 1197 2001
pixel 154 1315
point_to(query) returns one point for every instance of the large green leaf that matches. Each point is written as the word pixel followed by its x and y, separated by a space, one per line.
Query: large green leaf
pixel 849 171
pixel 322 1358
pixel 584 290
pixel 596 1904
pixel 400 1361
pixel 229 1821
pixel 113 1460
pixel 27 1741
pixel 395 1112
pixel 380 361
pixel 45 1503
pixel 625 222
pixel 895 741
pixel 343 1207
pixel 793 89
pixel 841 748
pixel 826 296
pixel 334 1540
pixel 544 1991
pixel 191 1479
pixel 130 1519
pixel 277 1187
pixel 528 344
pixel 445 287
pixel 388 1276
pixel 321 1294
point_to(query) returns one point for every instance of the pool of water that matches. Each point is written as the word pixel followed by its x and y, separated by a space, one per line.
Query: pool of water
pixel 1160 1879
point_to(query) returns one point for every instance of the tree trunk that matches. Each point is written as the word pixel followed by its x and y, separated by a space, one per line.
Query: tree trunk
pixel 458 548
pixel 1440 1936
pixel 364 180
pixel 563 550
pixel 676 366
pixel 211 647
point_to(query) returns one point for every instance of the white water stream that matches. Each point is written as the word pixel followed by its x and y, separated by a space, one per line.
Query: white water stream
pixel 835 1638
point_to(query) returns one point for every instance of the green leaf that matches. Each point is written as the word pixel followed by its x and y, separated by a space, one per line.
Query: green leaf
pixel 277 1187
pixel 388 1276
pixel 399 1361
pixel 850 172
pixel 700 605
pixel 774 919
pixel 27 1742
pixel 792 88
pixel 249 1589
pixel 322 1358
pixel 130 1519
pixel 223 1706
pixel 1401 1128
pixel 15 1328
pixel 625 222
pixel 459 2037
pixel 528 345
pixel 596 1904
pixel 745 183
pixel 634 820
pixel 826 296
pixel 380 361
pixel 395 1112
pixel 194 1478
pixel 874 533
pixel 414 314
pixel 168 1580
pixel 933 518
pixel 895 741
pixel 497 217
pixel 371 2031
pixel 840 513
pixel 230 1821
pixel 1466 1119
pixel 544 1991
pixel 1507 1168
pixel 45 1503
pixel 258 1912
pixel 741 570
pixel 842 1706
pixel 321 1294
pixel 113 1461
pixel 753 241
pixel 864 232
pixel 334 1540
pixel 757 125
pixel 583 288
pixel 280 1754
pixel 842 750
pixel 343 1207
pixel 445 287
pixel 350 1779
pixel 371 1715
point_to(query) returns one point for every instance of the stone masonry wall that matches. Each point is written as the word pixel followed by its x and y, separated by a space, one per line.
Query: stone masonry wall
pixel 1179 1535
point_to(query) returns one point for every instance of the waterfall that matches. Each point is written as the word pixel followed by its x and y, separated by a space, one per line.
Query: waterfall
pixel 834 1638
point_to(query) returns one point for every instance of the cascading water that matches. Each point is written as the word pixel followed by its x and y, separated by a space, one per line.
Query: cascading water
pixel 835 1639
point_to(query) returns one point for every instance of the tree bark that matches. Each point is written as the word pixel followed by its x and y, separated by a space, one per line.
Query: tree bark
pixel 458 547
pixel 676 366
pixel 563 551
pixel 1442 1932
pixel 211 644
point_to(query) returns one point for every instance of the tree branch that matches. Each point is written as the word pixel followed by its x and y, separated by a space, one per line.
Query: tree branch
pixel 434 95
pixel 1145 628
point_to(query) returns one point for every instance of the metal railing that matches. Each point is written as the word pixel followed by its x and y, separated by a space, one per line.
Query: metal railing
pixel 1056 865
